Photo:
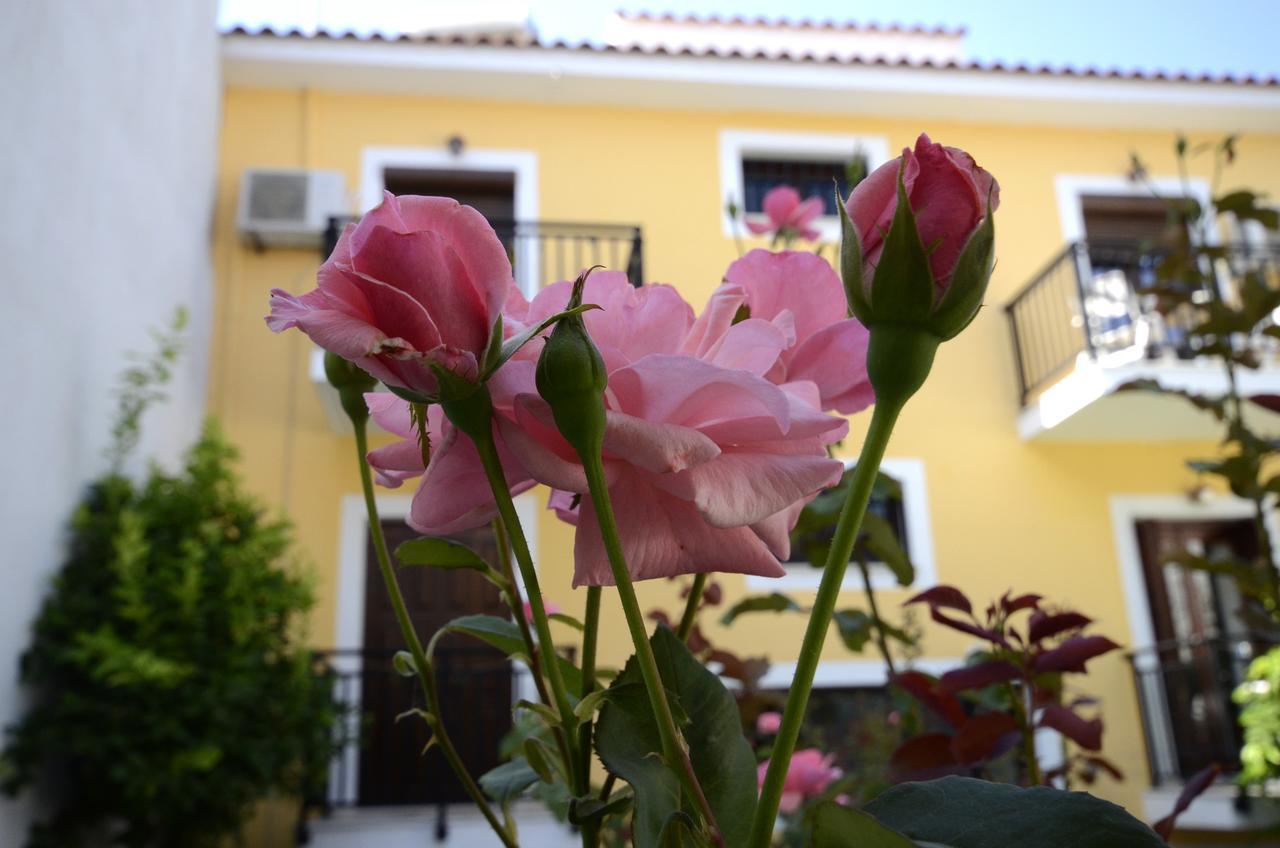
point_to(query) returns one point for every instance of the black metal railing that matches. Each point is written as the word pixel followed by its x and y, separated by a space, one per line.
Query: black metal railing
pixel 1184 695
pixel 379 758
pixel 545 252
pixel 1099 298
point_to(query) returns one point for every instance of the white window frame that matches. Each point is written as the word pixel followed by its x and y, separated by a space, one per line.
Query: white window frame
pixel 1071 189
pixel 915 511
pixel 353 535
pixel 737 144
pixel 374 162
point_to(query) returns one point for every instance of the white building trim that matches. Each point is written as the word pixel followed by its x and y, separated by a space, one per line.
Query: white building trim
pixel 736 144
pixel 915 507
pixel 374 162
pixel 598 77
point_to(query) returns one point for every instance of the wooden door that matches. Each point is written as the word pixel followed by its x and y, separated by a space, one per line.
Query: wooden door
pixel 1194 614
pixel 474 680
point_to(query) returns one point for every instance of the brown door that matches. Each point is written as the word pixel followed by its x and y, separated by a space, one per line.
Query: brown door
pixel 1197 630
pixel 474 680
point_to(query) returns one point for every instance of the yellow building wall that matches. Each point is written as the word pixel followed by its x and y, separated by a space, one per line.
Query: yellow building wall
pixel 1005 514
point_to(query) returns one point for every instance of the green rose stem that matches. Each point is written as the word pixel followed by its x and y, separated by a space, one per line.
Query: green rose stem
pixel 473 415
pixel 425 673
pixel 855 507
pixel 590 632
pixel 673 748
pixel 515 603
pixel 691 607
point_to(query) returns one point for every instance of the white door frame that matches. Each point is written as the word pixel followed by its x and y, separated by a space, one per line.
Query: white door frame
pixel 374 162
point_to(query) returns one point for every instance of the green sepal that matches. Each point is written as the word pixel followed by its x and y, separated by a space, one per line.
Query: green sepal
pixel 409 395
pixel 963 298
pixel 510 346
pixel 489 363
pixel 851 265
pixel 446 554
pixel 902 289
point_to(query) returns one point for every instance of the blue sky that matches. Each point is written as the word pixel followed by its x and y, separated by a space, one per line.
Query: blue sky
pixel 1239 36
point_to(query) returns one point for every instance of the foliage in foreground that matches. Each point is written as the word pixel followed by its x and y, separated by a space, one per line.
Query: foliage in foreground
pixel 171 691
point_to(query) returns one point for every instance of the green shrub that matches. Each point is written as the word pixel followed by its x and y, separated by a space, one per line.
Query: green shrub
pixel 1259 700
pixel 171 689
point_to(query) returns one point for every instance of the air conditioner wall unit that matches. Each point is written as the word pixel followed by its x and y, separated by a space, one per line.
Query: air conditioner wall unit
pixel 284 207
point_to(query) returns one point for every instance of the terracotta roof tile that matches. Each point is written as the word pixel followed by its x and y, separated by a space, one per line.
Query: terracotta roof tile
pixel 530 42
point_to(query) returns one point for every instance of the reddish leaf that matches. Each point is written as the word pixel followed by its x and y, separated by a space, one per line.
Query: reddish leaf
pixel 942 596
pixel 1105 765
pixel 1012 605
pixel 712 595
pixel 925 690
pixel 1271 403
pixel 1201 781
pixel 978 676
pixel 1045 625
pixel 966 627
pixel 981 735
pixel 924 758
pixel 1072 654
pixel 1087 733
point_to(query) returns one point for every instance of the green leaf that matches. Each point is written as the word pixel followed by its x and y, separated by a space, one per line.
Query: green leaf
pixel 403 663
pixel 855 628
pixel 566 619
pixel 503 634
pixel 902 289
pixel 588 705
pixel 835 826
pixel 629 746
pixel 513 344
pixel 542 710
pixel 582 810
pixel 535 754
pixel 508 781
pixel 775 602
pixel 965 813
pixel 439 553
pixel 963 297
pixel 882 543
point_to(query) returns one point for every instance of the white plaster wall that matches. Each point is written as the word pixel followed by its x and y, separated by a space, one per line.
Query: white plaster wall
pixel 107 155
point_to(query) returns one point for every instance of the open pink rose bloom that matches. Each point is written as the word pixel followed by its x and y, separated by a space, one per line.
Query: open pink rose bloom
pixel 416 284
pixel 809 775
pixel 787 214
pixel 716 431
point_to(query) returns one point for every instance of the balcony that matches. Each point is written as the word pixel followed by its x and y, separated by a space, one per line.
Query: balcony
pixel 1190 722
pixel 1087 325
pixel 541 253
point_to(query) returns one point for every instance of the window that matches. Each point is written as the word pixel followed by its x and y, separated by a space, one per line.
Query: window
pixel 809 177
pixel 890 509
pixel 909 517
pixel 752 162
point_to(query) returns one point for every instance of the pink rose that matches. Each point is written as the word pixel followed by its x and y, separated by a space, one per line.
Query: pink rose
pixel 767 724
pixel 789 217
pixel 808 776
pixel 801 297
pixel 704 462
pixel 948 194
pixel 454 494
pixel 418 282
pixel 551 608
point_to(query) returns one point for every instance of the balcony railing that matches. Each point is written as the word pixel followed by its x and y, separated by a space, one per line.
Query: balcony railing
pixel 380 760
pixel 1098 298
pixel 1184 695
pixel 544 252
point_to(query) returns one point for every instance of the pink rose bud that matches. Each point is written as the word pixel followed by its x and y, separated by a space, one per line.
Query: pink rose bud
pixel 916 254
pixel 409 293
pixel 767 724
pixel 927 263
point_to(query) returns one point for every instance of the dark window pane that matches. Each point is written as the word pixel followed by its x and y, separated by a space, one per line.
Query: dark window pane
pixel 890 509
pixel 810 178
